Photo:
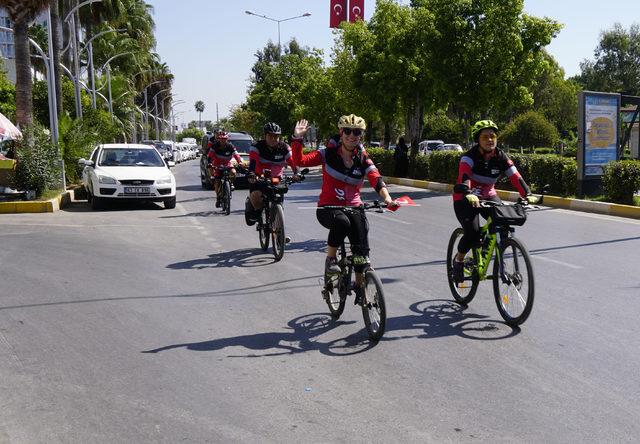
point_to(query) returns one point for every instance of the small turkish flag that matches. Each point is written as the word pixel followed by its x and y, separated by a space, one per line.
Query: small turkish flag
pixel 338 13
pixel 406 201
pixel 356 10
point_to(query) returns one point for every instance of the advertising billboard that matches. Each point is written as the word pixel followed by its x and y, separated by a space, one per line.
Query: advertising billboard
pixel 599 131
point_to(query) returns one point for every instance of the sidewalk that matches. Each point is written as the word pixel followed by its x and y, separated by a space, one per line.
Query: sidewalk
pixel 37 206
pixel 550 201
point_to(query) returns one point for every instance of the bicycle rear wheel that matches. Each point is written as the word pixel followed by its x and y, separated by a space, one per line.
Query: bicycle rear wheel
pixel 335 289
pixel 226 200
pixel 277 231
pixel 514 288
pixel 463 292
pixel 374 310
pixel 264 229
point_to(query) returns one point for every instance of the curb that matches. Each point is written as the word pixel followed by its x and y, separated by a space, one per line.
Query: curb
pixel 37 206
pixel 587 206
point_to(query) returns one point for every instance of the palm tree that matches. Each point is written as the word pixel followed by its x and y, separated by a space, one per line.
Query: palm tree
pixel 21 13
pixel 199 105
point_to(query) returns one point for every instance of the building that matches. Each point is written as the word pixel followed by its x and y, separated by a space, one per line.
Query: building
pixel 7 47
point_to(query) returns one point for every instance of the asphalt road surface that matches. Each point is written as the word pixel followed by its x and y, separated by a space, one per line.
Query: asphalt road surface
pixel 139 324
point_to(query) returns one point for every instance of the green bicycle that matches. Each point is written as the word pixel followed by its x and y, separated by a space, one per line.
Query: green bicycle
pixel 513 279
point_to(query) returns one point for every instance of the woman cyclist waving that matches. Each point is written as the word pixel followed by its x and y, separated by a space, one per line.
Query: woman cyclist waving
pixel 345 164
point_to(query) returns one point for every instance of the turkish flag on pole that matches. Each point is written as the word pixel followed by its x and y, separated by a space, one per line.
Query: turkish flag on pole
pixel 356 10
pixel 338 13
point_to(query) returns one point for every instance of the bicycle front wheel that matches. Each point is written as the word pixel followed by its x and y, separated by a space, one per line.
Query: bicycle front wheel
pixel 226 200
pixel 513 285
pixel 374 310
pixel 277 231
pixel 463 292
pixel 264 230
pixel 335 290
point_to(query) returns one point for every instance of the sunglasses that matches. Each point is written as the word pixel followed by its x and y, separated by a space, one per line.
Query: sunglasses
pixel 348 131
pixel 488 136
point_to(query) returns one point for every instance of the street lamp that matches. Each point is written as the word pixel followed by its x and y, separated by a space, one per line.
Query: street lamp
pixel 278 21
pixel 146 107
pixel 89 46
pixel 106 64
pixel 155 110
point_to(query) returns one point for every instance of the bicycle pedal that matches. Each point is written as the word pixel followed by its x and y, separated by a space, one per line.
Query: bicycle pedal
pixel 287 239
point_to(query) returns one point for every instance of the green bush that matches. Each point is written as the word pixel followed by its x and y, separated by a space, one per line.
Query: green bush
pixel 443 166
pixel 529 130
pixel 419 167
pixel 440 127
pixel 38 167
pixel 544 151
pixel 621 180
pixel 383 159
pixel 190 132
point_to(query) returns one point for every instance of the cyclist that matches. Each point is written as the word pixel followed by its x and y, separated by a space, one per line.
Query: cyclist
pixel 269 153
pixel 345 165
pixel 220 154
pixel 478 172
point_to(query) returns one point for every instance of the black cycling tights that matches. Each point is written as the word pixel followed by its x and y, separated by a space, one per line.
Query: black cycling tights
pixel 469 218
pixel 341 224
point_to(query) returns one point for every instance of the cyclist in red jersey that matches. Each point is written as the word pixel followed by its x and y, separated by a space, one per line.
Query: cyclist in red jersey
pixel 345 164
pixel 270 153
pixel 479 170
pixel 220 154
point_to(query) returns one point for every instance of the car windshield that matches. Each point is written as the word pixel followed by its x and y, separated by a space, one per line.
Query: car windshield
pixel 434 145
pixel 130 157
pixel 243 145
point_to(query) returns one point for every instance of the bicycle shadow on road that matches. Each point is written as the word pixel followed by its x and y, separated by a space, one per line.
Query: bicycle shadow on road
pixel 299 338
pixel 246 257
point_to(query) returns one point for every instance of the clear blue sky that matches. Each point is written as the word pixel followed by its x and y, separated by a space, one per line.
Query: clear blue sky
pixel 210 44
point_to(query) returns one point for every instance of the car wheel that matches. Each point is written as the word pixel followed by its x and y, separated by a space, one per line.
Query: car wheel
pixel 96 202
pixel 170 203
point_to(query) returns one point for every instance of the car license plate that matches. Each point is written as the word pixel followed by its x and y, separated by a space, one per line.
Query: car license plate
pixel 136 190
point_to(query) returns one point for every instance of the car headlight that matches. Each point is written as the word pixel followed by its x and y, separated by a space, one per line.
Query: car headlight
pixel 106 179
pixel 163 180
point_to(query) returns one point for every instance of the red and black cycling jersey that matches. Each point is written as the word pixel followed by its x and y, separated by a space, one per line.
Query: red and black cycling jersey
pixel 480 173
pixel 220 154
pixel 262 156
pixel 340 184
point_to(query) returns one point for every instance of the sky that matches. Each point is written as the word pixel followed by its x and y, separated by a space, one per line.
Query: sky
pixel 210 45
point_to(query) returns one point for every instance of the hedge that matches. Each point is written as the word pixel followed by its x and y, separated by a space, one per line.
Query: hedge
pixel 621 180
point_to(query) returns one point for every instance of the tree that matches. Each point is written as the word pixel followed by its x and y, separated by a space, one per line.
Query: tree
pixel 7 97
pixel 616 67
pixel 556 97
pixel 242 118
pixel 22 12
pixel 486 54
pixel 530 130
pixel 190 132
pixel 199 106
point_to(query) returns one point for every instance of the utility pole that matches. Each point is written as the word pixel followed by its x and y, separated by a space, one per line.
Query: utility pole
pixel 217 116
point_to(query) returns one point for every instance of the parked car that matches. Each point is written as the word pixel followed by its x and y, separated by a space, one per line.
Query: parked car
pixel 451 147
pixel 120 171
pixel 176 156
pixel 429 146
pixel 242 142
pixel 160 146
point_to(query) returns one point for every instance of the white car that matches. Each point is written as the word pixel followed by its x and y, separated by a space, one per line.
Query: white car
pixel 173 149
pixel 120 171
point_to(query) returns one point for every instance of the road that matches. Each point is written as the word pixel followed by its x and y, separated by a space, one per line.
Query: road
pixel 139 324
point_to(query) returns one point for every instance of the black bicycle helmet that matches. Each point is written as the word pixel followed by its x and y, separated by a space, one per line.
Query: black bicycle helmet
pixel 272 128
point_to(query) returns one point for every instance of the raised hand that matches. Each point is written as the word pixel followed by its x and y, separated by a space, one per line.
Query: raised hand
pixel 301 128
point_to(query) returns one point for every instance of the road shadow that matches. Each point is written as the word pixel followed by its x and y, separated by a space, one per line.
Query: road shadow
pixel 432 319
pixel 298 337
pixel 114 206
pixel 190 188
pixel 245 258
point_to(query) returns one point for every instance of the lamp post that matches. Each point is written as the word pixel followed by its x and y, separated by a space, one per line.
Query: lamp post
pixel 278 21
pixel 76 53
pixel 146 108
pixel 89 48
pixel 155 110
pixel 106 65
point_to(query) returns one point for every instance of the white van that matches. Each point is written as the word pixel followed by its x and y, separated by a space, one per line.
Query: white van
pixel 429 146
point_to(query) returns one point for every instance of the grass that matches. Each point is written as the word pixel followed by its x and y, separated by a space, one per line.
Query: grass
pixel 49 194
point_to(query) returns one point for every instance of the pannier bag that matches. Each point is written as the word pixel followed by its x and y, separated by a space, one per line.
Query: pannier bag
pixel 508 214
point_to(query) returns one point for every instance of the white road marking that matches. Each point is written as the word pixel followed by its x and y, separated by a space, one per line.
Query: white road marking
pixel 96 226
pixel 566 264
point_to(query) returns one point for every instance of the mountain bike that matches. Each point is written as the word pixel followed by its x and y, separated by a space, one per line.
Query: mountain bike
pixel 513 279
pixel 270 224
pixel 369 297
pixel 226 189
